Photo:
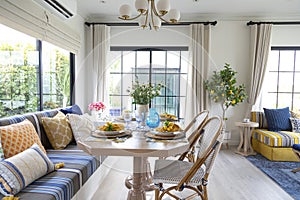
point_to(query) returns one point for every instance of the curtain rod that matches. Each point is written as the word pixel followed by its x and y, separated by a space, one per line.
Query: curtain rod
pixel 163 24
pixel 274 23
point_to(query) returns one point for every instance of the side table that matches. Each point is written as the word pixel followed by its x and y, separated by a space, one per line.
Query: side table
pixel 245 136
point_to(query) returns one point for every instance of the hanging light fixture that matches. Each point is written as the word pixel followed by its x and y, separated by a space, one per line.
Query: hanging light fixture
pixel 151 15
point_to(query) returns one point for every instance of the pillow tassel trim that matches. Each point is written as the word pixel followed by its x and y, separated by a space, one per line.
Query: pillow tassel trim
pixel 59 165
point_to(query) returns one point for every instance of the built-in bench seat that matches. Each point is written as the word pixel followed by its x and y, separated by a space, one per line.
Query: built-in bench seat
pixel 62 183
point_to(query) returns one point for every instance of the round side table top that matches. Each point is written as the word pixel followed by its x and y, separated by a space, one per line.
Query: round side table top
pixel 247 124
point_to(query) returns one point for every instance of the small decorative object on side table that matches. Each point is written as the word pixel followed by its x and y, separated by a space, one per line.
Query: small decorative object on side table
pixel 245 135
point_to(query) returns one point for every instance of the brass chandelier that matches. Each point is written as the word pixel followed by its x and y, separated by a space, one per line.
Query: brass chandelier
pixel 150 14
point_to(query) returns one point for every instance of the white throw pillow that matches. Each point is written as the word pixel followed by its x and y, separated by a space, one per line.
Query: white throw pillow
pixel 22 169
pixel 81 125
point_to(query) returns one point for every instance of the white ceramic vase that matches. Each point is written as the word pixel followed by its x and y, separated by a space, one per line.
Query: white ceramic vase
pixel 143 110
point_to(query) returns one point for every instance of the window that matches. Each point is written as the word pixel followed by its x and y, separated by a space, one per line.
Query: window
pixel 282 81
pixel 26 84
pixel 167 66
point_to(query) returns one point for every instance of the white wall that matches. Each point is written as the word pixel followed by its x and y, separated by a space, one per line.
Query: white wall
pixel 229 44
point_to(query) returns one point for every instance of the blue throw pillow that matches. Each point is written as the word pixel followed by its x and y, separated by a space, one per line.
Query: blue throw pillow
pixel 74 109
pixel 278 119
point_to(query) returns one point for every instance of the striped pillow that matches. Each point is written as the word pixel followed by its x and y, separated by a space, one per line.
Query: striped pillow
pixel 22 169
pixel 278 119
pixel 260 118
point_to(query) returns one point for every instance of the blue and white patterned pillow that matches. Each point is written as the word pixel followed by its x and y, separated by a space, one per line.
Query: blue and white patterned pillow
pixel 22 169
pixel 295 124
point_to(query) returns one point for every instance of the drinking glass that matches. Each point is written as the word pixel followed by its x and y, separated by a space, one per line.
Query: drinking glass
pixel 127 116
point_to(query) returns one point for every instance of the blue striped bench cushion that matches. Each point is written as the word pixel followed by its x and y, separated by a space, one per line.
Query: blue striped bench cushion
pixel 63 183
pixel 276 139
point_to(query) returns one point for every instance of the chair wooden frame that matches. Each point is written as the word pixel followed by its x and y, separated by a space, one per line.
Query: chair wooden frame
pixel 207 157
pixel 198 121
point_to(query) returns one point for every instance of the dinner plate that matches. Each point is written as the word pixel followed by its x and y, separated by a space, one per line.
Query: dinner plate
pixel 110 134
pixel 166 134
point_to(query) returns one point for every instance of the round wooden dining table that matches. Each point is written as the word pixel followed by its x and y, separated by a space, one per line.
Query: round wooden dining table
pixel 140 148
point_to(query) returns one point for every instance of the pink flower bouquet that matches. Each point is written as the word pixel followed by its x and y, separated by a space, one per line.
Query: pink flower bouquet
pixel 97 106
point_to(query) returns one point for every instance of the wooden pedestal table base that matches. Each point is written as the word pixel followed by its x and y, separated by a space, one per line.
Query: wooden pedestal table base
pixel 146 177
pixel 245 138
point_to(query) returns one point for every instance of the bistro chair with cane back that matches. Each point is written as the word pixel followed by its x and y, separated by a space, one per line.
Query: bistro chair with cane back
pixel 184 175
pixel 191 132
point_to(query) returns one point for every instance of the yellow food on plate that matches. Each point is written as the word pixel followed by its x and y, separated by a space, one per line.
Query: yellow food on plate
pixel 109 126
pixel 168 116
pixel 168 127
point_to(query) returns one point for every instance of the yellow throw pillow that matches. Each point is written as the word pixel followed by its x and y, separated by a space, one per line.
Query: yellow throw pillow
pixel 295 114
pixel 58 130
pixel 16 138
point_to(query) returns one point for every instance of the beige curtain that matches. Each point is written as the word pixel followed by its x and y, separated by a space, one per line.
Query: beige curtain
pixel 97 63
pixel 196 99
pixel 260 48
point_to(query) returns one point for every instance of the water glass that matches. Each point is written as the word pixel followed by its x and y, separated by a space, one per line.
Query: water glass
pixel 139 117
pixel 127 116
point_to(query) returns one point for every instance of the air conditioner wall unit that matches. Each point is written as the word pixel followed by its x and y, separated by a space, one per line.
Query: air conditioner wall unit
pixel 64 9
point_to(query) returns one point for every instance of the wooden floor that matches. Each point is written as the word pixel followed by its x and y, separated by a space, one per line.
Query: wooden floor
pixel 232 178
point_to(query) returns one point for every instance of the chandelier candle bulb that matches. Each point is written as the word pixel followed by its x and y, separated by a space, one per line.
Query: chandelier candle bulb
pixel 125 11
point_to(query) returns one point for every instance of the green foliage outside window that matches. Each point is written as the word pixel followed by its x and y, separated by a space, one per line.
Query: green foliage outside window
pixel 223 89
pixel 19 91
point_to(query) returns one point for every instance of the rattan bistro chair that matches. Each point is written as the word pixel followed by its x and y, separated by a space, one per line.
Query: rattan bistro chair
pixel 183 175
pixel 193 135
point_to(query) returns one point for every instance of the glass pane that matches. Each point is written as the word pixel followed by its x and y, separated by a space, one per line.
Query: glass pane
pixel 158 59
pixel 127 82
pixel 173 59
pixel 287 60
pixel 18 73
pixel 115 61
pixel 297 61
pixel 273 60
pixel 270 82
pixel 56 76
pixel 285 82
pixel 172 85
pixel 184 61
pixel 284 100
pixel 296 102
pixel 183 85
pixel 143 59
pixel 297 82
pixel 115 84
pixel 269 100
pixel 128 60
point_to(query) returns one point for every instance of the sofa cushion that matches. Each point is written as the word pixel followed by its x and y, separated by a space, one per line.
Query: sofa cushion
pixel 74 109
pixel 295 124
pixel 18 137
pixel 62 184
pixel 278 119
pixel 22 169
pixel 43 136
pixel 260 118
pixel 58 130
pixel 81 125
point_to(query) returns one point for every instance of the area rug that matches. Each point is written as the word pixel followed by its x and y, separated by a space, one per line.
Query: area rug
pixel 280 172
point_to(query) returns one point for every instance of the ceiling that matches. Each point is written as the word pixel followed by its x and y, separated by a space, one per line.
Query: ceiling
pixel 199 10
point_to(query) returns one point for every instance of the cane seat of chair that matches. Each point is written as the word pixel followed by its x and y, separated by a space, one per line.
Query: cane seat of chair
pixel 191 132
pixel 296 149
pixel 187 175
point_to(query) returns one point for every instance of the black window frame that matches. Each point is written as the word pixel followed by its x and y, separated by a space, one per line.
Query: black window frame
pixel 150 49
